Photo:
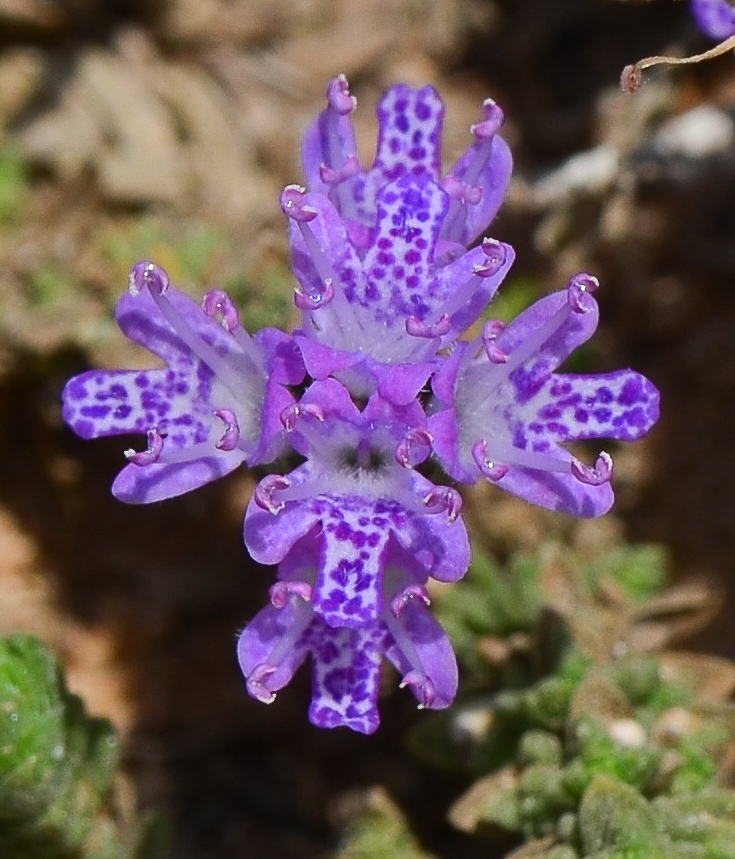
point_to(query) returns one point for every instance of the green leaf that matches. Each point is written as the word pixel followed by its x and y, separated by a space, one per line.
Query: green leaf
pixel 613 814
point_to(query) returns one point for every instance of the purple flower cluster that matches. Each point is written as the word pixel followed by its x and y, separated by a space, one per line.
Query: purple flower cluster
pixel 392 270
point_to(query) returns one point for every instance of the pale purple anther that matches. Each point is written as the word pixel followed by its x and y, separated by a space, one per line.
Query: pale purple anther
pixel 414 447
pixel 215 404
pixel 503 413
pixel 218 304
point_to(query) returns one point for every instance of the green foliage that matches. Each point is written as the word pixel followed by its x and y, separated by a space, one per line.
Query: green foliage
pixel 202 257
pixel 13 185
pixel 378 831
pixel 593 740
pixel 491 602
pixel 57 766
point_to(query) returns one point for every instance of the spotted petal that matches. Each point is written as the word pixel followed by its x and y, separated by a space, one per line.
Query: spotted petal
pixel 345 678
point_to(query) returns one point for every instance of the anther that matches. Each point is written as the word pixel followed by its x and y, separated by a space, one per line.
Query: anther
pixel 421 686
pixel 579 286
pixel 404 597
pixel 149 456
pixel 231 435
pixel 460 191
pixel 330 176
pixel 146 274
pixel 255 685
pixel 338 95
pixel 601 473
pixel 444 499
pixel 293 205
pixel 488 468
pixel 266 490
pixel 495 253
pixel 492 119
pixel 416 328
pixel 218 304
pixel 291 414
pixel 315 301
pixel 281 592
pixel 491 330
pixel 414 447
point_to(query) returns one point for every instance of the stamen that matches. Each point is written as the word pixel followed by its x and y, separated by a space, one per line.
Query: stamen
pixel 579 286
pixel 255 685
pixel 281 592
pixel 338 96
pixel 333 176
pixel 266 490
pixel 414 447
pixel 419 682
pixel 422 687
pixel 218 304
pixel 454 223
pixel 444 499
pixel 155 278
pixel 403 598
pixel 491 470
pixel 316 301
pixel 293 205
pixel 495 253
pixel 146 274
pixel 488 454
pixel 149 456
pixel 231 434
pixel 601 473
pixel 460 191
pixel 302 616
pixel 416 328
pixel 495 259
pixel 492 118
pixel 491 330
pixel 291 414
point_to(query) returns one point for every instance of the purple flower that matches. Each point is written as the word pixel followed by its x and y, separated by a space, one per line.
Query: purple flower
pixel 346 660
pixel 385 280
pixel 358 499
pixel 715 18
pixel 409 143
pixel 214 406
pixel 504 413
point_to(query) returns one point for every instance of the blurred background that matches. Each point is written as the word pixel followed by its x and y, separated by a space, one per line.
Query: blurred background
pixel 165 129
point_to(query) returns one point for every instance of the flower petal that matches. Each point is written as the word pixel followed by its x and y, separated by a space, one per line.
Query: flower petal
pixel 348 590
pixel 398 265
pixel 345 679
pixel 493 180
pixel 260 640
pixel 622 405
pixel 559 491
pixel 137 484
pixel 420 645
